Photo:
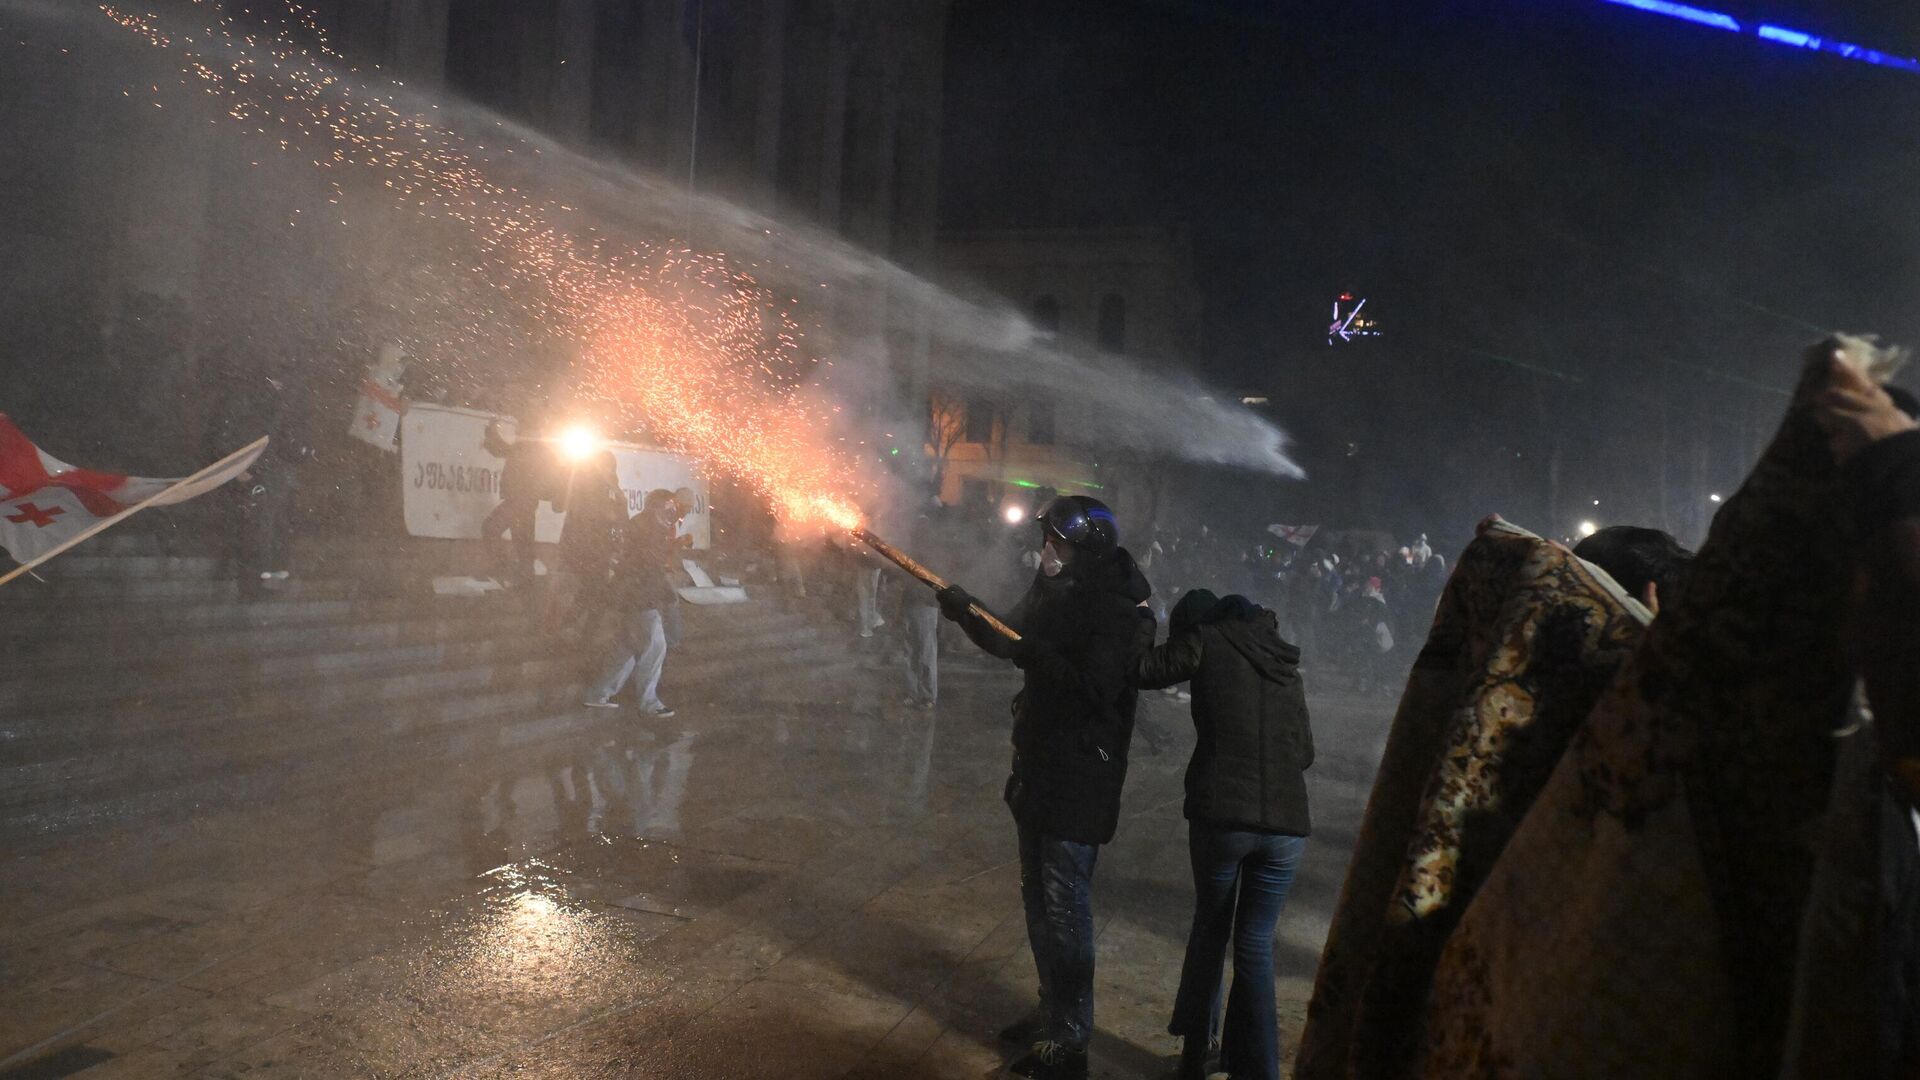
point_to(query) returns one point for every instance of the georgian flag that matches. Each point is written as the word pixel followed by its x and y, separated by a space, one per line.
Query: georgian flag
pixel 47 505
pixel 1297 535
pixel 376 416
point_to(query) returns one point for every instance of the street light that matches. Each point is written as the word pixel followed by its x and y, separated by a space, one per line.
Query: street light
pixel 1713 498
pixel 1588 528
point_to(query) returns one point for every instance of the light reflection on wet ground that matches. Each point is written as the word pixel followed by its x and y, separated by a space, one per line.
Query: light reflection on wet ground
pixel 762 886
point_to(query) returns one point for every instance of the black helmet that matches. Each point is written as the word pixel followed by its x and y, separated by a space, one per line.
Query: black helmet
pixel 1083 522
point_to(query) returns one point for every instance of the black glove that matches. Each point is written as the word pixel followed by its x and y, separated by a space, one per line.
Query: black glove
pixel 954 602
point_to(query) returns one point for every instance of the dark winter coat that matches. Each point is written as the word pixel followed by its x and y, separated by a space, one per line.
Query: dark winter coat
pixel 1250 715
pixel 646 558
pixel 527 472
pixel 1082 634
pixel 596 518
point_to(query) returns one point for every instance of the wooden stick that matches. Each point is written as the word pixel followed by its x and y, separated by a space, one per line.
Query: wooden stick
pixel 932 580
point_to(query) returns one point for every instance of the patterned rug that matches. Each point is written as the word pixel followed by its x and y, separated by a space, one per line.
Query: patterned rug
pixel 1525 639
pixel 1642 919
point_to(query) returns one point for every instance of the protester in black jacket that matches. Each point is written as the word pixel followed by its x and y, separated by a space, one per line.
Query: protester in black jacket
pixel 1083 630
pixel 1246 812
pixel 641 591
pixel 596 510
pixel 526 478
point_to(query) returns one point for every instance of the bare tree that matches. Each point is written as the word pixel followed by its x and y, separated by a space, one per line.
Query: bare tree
pixel 946 428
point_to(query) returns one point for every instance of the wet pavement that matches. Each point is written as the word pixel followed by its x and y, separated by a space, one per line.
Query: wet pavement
pixel 803 881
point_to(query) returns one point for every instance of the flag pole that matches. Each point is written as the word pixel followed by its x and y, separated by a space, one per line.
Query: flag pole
pixel 246 453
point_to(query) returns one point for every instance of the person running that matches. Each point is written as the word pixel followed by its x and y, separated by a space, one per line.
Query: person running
pixel 641 592
pixel 1247 818
pixel 1082 627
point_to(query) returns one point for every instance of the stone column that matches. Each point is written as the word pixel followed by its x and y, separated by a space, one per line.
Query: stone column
pixel 914 224
pixel 769 102
pixel 415 46
pixel 833 114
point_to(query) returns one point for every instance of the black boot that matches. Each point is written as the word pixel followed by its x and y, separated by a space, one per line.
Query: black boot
pixel 1194 1056
pixel 1050 1060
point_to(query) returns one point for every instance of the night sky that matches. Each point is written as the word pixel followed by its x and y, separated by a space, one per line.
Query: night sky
pixel 1576 220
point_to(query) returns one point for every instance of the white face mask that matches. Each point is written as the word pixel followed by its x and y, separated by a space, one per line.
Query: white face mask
pixel 1050 561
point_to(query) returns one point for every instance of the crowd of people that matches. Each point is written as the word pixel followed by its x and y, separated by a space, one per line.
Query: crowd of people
pixel 1355 604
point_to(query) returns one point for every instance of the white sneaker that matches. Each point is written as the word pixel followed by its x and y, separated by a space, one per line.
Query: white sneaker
pixel 600 703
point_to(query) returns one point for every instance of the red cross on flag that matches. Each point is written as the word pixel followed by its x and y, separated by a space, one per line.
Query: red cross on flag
pixel 1297 535
pixel 47 505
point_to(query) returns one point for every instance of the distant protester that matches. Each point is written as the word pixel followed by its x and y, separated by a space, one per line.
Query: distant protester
pixel 525 479
pixel 920 611
pixel 589 537
pixel 1247 818
pixel 268 402
pixel 641 594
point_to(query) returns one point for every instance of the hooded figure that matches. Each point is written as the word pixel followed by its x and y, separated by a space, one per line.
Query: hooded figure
pixel 1247 817
pixel 1249 712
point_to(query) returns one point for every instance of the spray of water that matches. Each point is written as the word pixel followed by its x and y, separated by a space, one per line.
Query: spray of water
pixel 695 337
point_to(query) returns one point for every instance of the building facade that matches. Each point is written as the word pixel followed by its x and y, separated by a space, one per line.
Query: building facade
pixel 1123 292
pixel 155 234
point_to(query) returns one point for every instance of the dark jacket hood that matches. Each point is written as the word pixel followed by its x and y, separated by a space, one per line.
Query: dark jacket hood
pixel 1254 633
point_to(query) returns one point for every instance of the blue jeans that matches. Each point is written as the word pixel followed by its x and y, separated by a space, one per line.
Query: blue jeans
pixel 639 652
pixel 1240 883
pixel 1056 886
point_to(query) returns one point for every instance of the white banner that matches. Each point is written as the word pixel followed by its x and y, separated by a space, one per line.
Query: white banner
pixel 449 482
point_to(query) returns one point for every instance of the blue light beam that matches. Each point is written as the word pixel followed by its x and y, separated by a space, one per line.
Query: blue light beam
pixel 1800 40
pixel 1682 11
pixel 1779 35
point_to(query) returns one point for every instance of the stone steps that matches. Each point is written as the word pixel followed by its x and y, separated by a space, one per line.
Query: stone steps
pixel 131 647
pixel 105 588
pixel 72 566
pixel 135 683
pixel 223 743
pixel 97 784
pixel 319 674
